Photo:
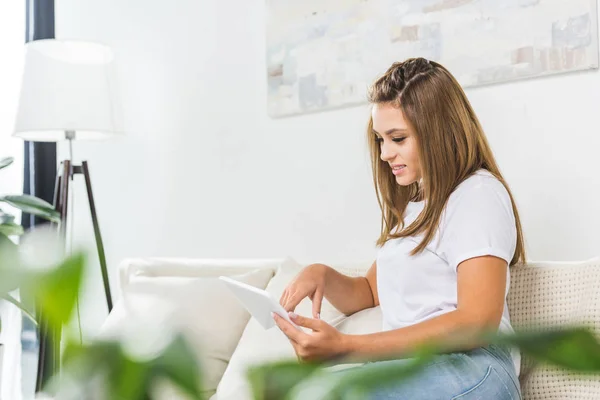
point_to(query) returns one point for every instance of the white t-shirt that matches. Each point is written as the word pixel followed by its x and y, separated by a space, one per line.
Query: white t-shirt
pixel 478 220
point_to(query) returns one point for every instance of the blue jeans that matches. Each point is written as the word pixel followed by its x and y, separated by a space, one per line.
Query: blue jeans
pixel 485 373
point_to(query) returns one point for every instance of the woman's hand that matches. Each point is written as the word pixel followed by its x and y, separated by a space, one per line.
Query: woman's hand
pixel 323 343
pixel 310 283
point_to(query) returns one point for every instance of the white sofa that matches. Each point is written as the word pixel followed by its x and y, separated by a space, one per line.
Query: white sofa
pixel 185 294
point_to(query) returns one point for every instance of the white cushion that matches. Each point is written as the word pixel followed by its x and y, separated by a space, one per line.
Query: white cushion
pixel 130 268
pixel 258 345
pixel 362 323
pixel 203 309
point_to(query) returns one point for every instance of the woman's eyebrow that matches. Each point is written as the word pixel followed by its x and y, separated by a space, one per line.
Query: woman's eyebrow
pixel 393 130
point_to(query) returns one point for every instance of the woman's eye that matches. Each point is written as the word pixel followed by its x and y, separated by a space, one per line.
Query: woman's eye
pixel 398 140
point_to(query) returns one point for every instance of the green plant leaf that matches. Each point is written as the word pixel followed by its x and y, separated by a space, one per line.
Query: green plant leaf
pixel 11 274
pixel 32 205
pixel 6 218
pixel 178 363
pixel 11 229
pixel 20 305
pixel 128 378
pixel 573 348
pixel 6 161
pixel 355 382
pixel 83 364
pixel 86 358
pixel 273 381
pixel 57 289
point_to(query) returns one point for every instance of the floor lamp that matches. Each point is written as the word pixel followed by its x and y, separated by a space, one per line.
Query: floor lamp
pixel 68 92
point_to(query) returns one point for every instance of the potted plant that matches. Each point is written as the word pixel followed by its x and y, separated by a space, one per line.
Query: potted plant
pixel 55 287
pixel 11 231
pixel 100 369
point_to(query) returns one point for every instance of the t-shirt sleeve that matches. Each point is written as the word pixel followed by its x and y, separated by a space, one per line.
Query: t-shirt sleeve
pixel 478 221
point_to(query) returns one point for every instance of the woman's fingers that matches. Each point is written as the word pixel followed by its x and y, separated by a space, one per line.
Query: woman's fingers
pixel 292 333
pixel 292 296
pixel 316 303
pixel 292 301
pixel 284 297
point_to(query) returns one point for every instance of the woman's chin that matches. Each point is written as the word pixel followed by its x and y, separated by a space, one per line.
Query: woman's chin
pixel 405 180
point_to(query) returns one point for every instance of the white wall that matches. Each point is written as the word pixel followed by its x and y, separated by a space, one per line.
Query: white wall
pixel 204 172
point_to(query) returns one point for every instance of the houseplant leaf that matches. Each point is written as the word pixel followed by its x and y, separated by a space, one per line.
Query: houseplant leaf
pixel 57 289
pixel 20 305
pixel 32 205
pixel 127 377
pixel 355 382
pixel 271 381
pixel 6 161
pixel 11 229
pixel 11 274
pixel 6 218
pixel 576 348
pixel 97 367
pixel 178 364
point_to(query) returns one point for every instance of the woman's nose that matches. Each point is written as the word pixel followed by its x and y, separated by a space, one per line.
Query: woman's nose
pixel 386 154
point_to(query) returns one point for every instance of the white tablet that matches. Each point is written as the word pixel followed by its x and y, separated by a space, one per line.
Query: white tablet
pixel 259 303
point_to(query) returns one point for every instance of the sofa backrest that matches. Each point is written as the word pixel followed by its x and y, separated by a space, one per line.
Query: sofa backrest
pixel 549 294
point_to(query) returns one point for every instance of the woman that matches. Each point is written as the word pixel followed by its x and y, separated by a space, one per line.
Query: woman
pixel 450 230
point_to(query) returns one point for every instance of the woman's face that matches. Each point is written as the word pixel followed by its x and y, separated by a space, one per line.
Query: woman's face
pixel 397 142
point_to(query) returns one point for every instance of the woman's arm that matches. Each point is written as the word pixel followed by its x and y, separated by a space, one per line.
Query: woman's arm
pixel 347 294
pixel 481 296
pixel 351 294
pixel 481 292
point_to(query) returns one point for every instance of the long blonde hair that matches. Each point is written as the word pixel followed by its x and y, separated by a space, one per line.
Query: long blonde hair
pixel 451 145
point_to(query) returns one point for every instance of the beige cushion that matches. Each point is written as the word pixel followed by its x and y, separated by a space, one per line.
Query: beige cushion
pixel 545 295
pixel 362 323
pixel 203 309
pixel 258 345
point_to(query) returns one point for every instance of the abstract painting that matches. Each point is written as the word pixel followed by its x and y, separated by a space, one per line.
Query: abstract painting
pixel 324 54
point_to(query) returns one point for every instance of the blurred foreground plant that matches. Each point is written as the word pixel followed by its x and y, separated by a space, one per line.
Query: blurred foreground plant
pixel 35 263
pixel 101 369
pixel 8 248
pixel 575 349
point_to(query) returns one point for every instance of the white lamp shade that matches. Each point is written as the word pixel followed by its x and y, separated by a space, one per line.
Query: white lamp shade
pixel 67 86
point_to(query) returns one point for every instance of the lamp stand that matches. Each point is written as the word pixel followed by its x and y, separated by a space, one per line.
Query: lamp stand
pixel 49 339
pixel 61 204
